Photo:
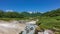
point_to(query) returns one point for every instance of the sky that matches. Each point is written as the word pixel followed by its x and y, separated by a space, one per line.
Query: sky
pixel 29 5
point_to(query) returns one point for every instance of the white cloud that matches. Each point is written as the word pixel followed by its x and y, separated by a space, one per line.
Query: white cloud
pixel 9 10
pixel 30 12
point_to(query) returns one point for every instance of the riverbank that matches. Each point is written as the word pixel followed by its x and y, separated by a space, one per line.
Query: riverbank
pixel 11 27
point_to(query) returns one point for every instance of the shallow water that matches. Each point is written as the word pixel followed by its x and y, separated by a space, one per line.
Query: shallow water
pixel 28 28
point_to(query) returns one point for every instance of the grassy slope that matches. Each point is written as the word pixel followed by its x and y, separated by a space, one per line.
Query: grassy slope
pixel 7 19
pixel 49 23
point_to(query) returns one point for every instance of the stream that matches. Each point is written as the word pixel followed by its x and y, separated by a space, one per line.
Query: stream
pixel 30 28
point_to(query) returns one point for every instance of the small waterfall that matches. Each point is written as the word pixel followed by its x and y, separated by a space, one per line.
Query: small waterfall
pixel 29 29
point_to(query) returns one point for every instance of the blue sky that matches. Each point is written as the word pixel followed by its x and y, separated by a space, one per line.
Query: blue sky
pixel 29 5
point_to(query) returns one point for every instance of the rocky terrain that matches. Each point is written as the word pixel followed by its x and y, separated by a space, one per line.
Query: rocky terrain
pixel 12 27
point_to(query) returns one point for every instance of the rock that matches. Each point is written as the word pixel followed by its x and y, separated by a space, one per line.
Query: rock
pixel 48 32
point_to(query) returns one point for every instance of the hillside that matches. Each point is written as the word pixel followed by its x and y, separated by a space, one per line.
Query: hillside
pixel 47 20
pixel 50 20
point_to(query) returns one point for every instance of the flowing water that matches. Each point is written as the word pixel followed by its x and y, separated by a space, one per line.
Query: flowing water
pixel 30 28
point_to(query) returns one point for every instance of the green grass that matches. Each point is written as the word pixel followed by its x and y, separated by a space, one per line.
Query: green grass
pixel 8 19
pixel 49 22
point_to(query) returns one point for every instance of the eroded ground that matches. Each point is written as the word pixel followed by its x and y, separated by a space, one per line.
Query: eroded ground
pixel 11 27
